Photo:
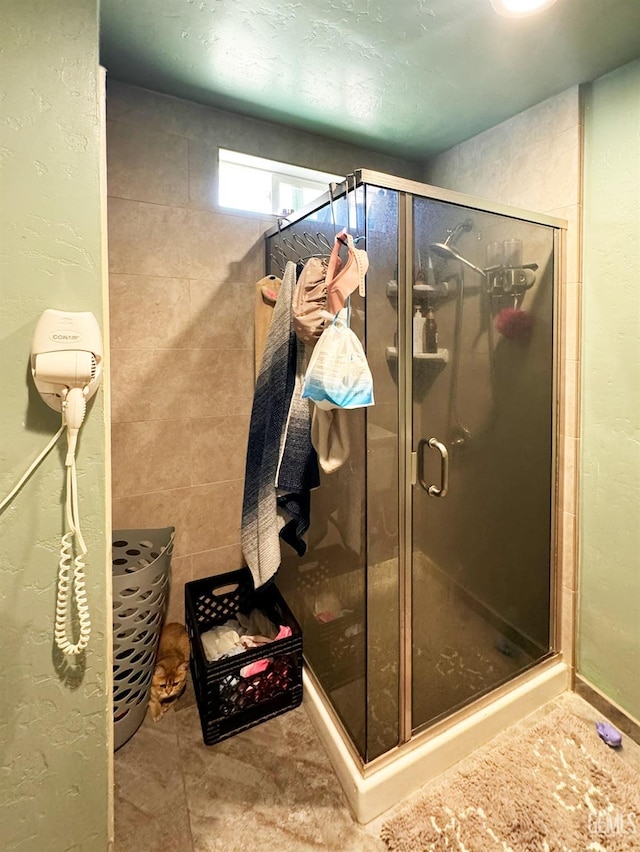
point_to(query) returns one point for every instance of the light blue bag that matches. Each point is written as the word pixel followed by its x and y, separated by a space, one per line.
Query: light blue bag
pixel 338 375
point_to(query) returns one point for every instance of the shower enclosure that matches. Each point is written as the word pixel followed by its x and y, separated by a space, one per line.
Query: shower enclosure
pixel 428 582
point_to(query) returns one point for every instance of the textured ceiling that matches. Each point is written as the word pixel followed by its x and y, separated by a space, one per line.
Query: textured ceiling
pixel 407 77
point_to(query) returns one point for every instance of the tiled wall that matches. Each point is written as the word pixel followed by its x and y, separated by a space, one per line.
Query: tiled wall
pixel 182 283
pixel 534 161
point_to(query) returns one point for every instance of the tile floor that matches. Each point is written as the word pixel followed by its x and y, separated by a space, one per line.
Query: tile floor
pixel 270 788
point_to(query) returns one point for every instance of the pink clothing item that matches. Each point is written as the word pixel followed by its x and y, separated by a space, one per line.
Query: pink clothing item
pixel 342 282
pixel 261 665
pixel 255 668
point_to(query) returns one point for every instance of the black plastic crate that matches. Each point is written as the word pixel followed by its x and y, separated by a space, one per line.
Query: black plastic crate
pixel 229 703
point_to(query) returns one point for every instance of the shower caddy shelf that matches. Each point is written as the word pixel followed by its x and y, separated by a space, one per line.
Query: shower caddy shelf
pixel 441 357
pixel 427 366
pixel 422 293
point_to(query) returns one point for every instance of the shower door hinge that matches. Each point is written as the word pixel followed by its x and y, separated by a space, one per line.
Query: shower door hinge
pixel 414 468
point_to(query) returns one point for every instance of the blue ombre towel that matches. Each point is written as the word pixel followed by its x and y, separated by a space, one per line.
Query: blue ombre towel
pixel 279 448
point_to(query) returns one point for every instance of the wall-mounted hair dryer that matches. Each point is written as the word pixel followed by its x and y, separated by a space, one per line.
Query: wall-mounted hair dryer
pixel 66 364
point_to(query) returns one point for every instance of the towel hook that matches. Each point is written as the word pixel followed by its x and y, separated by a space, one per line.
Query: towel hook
pixel 324 241
pixel 283 257
pixel 276 263
pixel 308 238
pixel 290 248
pixel 299 241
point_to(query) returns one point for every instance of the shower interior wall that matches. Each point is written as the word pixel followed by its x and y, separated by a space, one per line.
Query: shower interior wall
pixel 182 275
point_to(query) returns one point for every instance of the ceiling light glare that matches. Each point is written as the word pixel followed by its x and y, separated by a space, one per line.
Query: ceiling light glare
pixel 520 8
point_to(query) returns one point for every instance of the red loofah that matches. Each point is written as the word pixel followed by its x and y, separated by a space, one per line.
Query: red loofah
pixel 515 325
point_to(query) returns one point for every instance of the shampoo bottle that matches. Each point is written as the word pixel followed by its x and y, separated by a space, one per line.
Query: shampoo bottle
pixel 431 332
pixel 418 332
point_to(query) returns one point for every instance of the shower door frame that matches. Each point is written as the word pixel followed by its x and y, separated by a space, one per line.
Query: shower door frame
pixel 410 739
pixel 407 474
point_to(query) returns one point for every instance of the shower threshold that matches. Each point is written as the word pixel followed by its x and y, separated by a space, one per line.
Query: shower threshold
pixel 375 787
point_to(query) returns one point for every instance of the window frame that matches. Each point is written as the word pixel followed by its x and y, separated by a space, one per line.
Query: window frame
pixel 298 177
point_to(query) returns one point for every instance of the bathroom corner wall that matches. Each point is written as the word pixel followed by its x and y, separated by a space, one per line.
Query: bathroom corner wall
pixel 182 286
pixel 55 726
pixel 534 161
pixel 609 606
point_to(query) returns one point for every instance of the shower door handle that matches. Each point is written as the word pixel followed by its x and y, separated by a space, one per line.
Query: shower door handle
pixel 432 490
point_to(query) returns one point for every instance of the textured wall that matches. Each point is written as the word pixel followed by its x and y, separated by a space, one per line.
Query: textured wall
pixel 609 615
pixel 54 748
pixel 182 284
pixel 533 161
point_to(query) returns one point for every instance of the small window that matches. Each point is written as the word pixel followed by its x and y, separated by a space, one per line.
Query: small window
pixel 266 186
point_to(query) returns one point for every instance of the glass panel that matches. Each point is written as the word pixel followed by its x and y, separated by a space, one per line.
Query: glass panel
pixel 326 588
pixel 383 620
pixel 481 554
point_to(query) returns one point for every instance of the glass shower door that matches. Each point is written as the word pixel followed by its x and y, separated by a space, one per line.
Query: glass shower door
pixel 482 438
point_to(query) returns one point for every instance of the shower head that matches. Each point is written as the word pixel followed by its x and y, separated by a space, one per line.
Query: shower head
pixel 448 251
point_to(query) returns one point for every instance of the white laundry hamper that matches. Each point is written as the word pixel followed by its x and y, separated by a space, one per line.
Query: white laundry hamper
pixel 141 570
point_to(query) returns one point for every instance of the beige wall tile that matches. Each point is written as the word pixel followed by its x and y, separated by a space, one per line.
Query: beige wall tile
pixel 175 242
pixel 572 307
pixel 151 455
pixel 536 176
pixel 167 384
pixel 159 113
pixel 150 384
pixel 215 514
pixel 155 112
pixel 530 161
pixel 534 126
pixel 218 448
pixel 157 509
pixel 222 312
pixel 568 466
pixel 206 517
pixel 221 560
pixel 568 625
pixel 569 423
pixel 203 176
pixel 220 382
pixel 567 551
pixel 148 313
pixel 180 574
pixel 147 165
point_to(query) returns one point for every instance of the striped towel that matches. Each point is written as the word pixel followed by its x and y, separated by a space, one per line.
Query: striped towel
pixel 275 450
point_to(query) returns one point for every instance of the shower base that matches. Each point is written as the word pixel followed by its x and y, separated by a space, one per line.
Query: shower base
pixel 375 787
